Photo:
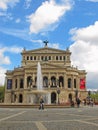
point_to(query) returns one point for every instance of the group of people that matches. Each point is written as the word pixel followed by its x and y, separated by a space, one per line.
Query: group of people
pixel 78 101
pixel 88 101
pixel 85 102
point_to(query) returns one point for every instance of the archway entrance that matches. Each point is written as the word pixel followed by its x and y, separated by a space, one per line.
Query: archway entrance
pixel 53 97
pixel 70 97
pixel 20 98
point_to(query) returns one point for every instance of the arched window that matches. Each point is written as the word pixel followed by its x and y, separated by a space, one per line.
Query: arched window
pixel 61 81
pixel 45 81
pixel 69 82
pixel 29 81
pixel 53 82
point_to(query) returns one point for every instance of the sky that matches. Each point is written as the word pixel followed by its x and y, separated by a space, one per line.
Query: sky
pixel 65 24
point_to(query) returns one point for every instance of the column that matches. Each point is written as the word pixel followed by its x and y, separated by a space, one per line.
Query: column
pixel 25 81
pixel 57 80
pixel 49 80
pixel 72 82
pixel 65 81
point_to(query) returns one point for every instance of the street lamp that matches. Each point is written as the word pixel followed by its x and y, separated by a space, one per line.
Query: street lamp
pixel 76 94
pixel 58 92
pixel 12 96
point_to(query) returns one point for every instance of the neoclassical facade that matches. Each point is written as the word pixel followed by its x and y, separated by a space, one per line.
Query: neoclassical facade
pixel 61 80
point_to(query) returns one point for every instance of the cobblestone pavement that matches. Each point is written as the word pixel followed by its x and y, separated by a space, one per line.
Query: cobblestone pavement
pixel 83 118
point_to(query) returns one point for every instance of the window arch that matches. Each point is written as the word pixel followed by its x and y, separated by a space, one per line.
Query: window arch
pixel 61 81
pixel 29 81
pixel 45 81
pixel 53 81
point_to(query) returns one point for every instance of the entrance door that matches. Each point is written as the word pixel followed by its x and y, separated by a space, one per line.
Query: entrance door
pixel 70 97
pixel 20 98
pixel 53 97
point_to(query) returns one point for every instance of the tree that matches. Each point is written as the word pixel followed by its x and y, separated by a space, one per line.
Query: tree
pixel 2 93
pixel 94 96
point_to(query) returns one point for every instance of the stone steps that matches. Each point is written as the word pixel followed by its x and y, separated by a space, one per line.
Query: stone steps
pixel 33 106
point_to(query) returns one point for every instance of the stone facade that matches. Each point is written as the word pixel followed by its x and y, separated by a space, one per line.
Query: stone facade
pixel 60 80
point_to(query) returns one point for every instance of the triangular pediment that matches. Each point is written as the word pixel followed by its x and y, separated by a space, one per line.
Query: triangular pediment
pixel 45 50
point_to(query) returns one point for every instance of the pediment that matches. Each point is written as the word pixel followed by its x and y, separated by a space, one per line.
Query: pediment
pixel 45 50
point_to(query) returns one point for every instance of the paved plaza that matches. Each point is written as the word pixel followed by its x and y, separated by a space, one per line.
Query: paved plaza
pixel 83 118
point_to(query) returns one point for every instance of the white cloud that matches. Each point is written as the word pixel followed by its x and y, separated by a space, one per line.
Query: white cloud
pixel 49 13
pixel 5 59
pixel 88 34
pixel 85 49
pixel 86 46
pixel 2 75
pixel 5 3
pixel 23 34
pixel 54 45
pixel 14 49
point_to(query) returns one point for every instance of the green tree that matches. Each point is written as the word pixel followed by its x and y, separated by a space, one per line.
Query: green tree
pixel 2 93
pixel 94 97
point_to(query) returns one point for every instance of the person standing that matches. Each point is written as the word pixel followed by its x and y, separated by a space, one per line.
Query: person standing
pixel 78 102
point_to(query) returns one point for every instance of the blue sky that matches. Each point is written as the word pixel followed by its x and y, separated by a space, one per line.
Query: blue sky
pixel 64 23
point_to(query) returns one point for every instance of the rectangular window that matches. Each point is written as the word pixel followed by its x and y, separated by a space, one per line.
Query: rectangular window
pixel 49 57
pixel 27 57
pixel 31 58
pixel 9 84
pixel 60 57
pixel 42 58
pixel 34 57
pixel 64 58
pixel 21 83
pixel 56 57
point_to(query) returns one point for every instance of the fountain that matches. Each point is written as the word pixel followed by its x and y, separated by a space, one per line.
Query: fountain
pixel 39 77
pixel 40 92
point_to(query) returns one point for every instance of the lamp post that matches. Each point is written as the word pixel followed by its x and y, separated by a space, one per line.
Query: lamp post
pixel 76 94
pixel 12 96
pixel 58 92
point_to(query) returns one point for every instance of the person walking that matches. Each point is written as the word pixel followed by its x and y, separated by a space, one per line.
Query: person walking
pixel 41 107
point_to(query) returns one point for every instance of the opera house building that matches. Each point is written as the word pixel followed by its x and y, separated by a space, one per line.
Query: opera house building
pixel 61 82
